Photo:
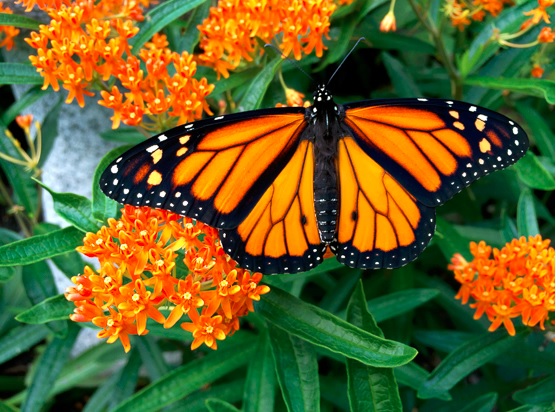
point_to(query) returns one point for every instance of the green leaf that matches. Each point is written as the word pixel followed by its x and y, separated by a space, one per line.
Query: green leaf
pixel 393 40
pixel 323 329
pixel 19 73
pixel 235 79
pixel 55 356
pixel 190 377
pixel 17 20
pixel 255 92
pixel 20 179
pixel 526 217
pixel 230 392
pixel 20 339
pixel 159 17
pixel 74 209
pixel 394 304
pixel 533 87
pixel 543 135
pixel 152 357
pixel 485 403
pixel 533 173
pixel 49 130
pixel 297 369
pixel 32 95
pixel 37 248
pixel 449 240
pixel 54 308
pixel 369 388
pixel 218 405
pixel 539 393
pixel 102 206
pixel 403 83
pixel 258 392
pixel 470 356
pixel 189 39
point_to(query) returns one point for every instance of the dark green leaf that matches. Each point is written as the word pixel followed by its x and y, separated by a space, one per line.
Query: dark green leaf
pixel 539 393
pixel 230 392
pixel 75 209
pixel 19 73
pixel 190 38
pixel 49 130
pixel 323 329
pixel 190 377
pixel 394 304
pixel 393 40
pixel 259 389
pixel 102 206
pixel 37 248
pixel 55 356
pixel 369 388
pixel 526 217
pixel 17 20
pixel 534 87
pixel 403 83
pixel 468 357
pixel 54 308
pixel 543 135
pixel 128 135
pixel 297 370
pixel 218 405
pixel 449 240
pixel 257 89
pixel 152 357
pixel 20 105
pixel 159 17
pixel 533 173
pixel 20 339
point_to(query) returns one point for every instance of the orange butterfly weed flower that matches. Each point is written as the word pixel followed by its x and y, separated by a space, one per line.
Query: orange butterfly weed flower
pixel 7 33
pixel 517 280
pixel 142 277
pixel 463 12
pixel 85 47
pixel 229 34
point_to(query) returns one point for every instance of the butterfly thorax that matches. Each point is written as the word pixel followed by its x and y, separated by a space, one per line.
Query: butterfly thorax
pixel 324 118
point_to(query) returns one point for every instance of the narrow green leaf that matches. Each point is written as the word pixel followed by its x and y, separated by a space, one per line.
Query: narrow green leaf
pixel 539 393
pixel 25 189
pixel 37 248
pixel 526 217
pixel 19 73
pixel 534 87
pixel 218 405
pixel 103 395
pixel 403 83
pixel 17 20
pixel 20 105
pixel 534 408
pixel 152 357
pixel 449 240
pixel 259 389
pixel 485 403
pixel 468 357
pixel 129 375
pixel 189 39
pixel 257 89
pixel 235 79
pixel 543 135
pixel 102 206
pixel 230 392
pixel 533 173
pixel 159 17
pixel 394 304
pixel 74 209
pixel 54 308
pixel 49 130
pixel 297 370
pixel 20 339
pixel 393 40
pixel 369 388
pixel 55 356
pixel 190 377
pixel 341 43
pixel 127 135
pixel 323 329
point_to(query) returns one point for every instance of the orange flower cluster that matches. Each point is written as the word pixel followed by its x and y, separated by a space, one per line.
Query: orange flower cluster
pixel 463 12
pixel 7 33
pixel 158 265
pixel 516 280
pixel 229 34
pixel 86 46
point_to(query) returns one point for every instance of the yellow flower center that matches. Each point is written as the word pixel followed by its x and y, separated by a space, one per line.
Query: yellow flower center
pixel 110 323
pixel 209 329
pixel 135 297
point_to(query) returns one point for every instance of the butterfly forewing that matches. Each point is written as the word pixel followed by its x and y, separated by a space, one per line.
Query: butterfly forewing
pixel 435 148
pixel 214 170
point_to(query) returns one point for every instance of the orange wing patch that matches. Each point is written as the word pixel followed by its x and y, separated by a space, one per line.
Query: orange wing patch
pixel 379 221
pixel 281 234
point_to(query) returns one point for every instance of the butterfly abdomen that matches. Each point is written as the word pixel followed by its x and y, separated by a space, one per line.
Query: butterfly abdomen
pixel 326 194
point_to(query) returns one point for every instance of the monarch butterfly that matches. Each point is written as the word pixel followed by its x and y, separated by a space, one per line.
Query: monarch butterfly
pixel 282 184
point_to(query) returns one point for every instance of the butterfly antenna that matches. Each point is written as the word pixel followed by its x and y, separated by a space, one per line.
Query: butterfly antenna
pixel 345 58
pixel 289 60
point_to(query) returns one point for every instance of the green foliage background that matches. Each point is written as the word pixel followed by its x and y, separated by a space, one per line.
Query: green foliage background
pixel 333 338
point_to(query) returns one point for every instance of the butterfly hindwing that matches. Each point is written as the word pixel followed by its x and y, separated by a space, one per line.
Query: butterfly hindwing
pixel 380 224
pixel 433 147
pixel 280 234
pixel 213 170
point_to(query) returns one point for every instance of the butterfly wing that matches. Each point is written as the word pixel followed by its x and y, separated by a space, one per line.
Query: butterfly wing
pixel 280 234
pixel 435 148
pixel 380 224
pixel 214 170
pixel 400 159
